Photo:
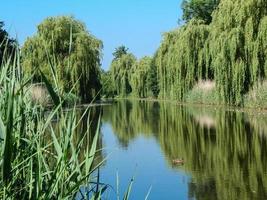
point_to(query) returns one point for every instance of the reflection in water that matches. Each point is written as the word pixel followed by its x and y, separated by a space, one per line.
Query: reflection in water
pixel 224 152
pixel 83 135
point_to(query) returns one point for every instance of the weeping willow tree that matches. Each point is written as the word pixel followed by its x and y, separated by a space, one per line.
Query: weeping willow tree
pixel 121 73
pixel 152 79
pixel 64 44
pixel 181 60
pixel 231 50
pixel 129 76
pixel 226 45
pixel 108 90
pixel 139 77
pixel 237 47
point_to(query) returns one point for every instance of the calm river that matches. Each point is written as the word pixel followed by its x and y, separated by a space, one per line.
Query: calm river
pixel 224 152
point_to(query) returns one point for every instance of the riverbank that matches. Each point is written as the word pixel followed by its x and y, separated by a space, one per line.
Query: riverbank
pixel 205 93
pixel 252 110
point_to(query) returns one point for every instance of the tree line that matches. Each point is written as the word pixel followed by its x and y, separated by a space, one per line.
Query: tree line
pixel 222 41
pixel 130 76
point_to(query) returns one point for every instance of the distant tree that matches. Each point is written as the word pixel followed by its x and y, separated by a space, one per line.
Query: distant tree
pixel 139 77
pixel 199 9
pixel 7 44
pixel 108 88
pixel 120 51
pixel 73 52
pixel 152 79
pixel 121 71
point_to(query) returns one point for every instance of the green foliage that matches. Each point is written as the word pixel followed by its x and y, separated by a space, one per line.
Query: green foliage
pixel 121 73
pixel 50 89
pixel 237 47
pixel 120 51
pixel 199 9
pixel 108 88
pixel 181 60
pixel 131 76
pixel 152 79
pixel 139 77
pixel 64 44
pixel 230 50
pixel 41 160
pixel 7 44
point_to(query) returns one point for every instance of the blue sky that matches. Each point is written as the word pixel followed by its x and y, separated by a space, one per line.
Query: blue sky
pixel 138 24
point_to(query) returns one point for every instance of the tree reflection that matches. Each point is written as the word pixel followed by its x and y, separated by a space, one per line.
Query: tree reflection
pixel 225 151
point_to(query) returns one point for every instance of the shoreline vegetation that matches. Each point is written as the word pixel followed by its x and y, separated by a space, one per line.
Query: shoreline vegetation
pixel 54 154
pixel 217 56
pixel 38 158
pixel 215 106
pixel 224 46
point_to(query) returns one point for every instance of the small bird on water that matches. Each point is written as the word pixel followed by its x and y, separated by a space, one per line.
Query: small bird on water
pixel 179 161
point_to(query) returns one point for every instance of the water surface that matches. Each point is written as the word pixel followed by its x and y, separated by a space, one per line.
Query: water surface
pixel 225 152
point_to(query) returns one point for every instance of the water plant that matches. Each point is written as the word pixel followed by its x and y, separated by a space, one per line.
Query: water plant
pixel 39 161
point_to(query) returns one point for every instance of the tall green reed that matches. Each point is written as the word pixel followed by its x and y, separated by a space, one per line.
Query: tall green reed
pixel 39 161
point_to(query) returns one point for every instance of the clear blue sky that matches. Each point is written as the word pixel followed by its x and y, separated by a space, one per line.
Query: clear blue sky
pixel 138 24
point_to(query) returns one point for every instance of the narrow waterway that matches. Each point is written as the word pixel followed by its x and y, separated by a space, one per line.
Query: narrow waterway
pixel 224 152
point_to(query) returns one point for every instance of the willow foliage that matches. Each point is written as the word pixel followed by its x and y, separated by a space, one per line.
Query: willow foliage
pixel 152 79
pixel 139 77
pixel 108 90
pixel 121 72
pixel 64 44
pixel 238 47
pixel 181 59
pixel 129 76
pixel 231 50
